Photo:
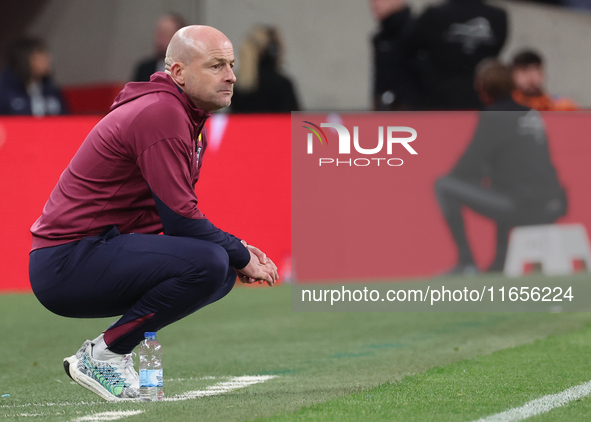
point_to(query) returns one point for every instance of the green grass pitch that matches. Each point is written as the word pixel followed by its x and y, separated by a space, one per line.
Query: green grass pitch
pixel 320 366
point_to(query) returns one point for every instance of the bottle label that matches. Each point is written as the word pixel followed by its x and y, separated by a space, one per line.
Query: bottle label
pixel 150 377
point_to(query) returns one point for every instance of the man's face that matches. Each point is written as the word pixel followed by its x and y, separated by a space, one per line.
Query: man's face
pixel 209 77
pixel 529 79
pixel 40 64
pixel 164 31
pixel 383 8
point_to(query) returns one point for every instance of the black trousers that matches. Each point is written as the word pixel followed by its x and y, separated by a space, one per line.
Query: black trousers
pixel 151 280
pixel 453 193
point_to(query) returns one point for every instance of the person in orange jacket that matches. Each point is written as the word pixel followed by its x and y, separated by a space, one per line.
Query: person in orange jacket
pixel 529 77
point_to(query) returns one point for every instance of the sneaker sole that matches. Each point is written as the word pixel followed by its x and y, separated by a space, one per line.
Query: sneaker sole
pixel 67 366
pixel 71 368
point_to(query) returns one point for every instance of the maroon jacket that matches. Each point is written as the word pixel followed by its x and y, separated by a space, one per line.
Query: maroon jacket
pixel 136 169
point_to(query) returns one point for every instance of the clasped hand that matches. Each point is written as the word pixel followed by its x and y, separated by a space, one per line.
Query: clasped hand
pixel 259 269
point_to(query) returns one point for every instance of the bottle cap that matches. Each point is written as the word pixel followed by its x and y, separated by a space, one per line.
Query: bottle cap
pixel 150 335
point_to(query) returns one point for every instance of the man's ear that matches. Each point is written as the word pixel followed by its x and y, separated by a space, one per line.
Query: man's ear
pixel 177 73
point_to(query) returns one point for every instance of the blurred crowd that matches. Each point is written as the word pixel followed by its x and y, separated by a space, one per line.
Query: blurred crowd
pixel 428 62
pixel 423 61
pixel 26 86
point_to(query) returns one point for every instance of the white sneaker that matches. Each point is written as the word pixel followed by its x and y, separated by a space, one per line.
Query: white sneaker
pixel 113 380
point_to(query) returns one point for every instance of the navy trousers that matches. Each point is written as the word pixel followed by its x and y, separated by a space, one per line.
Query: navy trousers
pixel 151 280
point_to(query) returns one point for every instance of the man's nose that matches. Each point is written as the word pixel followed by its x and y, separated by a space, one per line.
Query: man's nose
pixel 230 77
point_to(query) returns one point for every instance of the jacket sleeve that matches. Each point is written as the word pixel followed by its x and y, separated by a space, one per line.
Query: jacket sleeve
pixel 166 167
pixel 177 225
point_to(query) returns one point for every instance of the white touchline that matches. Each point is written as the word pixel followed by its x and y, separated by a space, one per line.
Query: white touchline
pixel 233 383
pixel 541 405
pixel 207 377
pixel 49 404
pixel 107 416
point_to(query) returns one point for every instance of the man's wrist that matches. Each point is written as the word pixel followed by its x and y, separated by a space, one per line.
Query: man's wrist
pixel 243 256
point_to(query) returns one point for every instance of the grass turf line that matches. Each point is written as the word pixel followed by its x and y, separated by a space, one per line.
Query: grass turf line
pixel 317 357
pixel 473 389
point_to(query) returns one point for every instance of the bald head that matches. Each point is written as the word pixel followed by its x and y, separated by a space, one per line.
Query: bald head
pixel 191 41
pixel 200 59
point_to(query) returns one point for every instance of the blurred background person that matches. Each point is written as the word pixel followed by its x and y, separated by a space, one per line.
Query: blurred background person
pixel 505 173
pixel 448 41
pixel 393 88
pixel 26 86
pixel 165 28
pixel 529 77
pixel 260 85
pixel 582 5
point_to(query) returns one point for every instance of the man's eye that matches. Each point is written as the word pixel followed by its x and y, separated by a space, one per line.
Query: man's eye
pixel 216 66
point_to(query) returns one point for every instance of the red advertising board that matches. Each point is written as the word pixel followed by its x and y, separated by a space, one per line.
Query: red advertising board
pixel 244 185
pixel 364 219
pixel 389 228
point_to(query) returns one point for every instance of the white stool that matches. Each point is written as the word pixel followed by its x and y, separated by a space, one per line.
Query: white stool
pixel 554 246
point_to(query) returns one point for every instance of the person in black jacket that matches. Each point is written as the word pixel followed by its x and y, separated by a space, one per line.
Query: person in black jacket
pixel 447 42
pixel 26 86
pixel 393 87
pixel 260 85
pixel 505 173
pixel 165 28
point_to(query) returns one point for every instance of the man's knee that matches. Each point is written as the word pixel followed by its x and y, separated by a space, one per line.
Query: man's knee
pixel 209 273
pixel 215 263
pixel 444 183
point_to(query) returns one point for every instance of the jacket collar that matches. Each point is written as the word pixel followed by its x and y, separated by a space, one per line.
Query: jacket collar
pixel 197 115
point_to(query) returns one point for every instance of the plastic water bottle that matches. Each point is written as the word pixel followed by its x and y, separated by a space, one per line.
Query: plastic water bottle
pixel 151 369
